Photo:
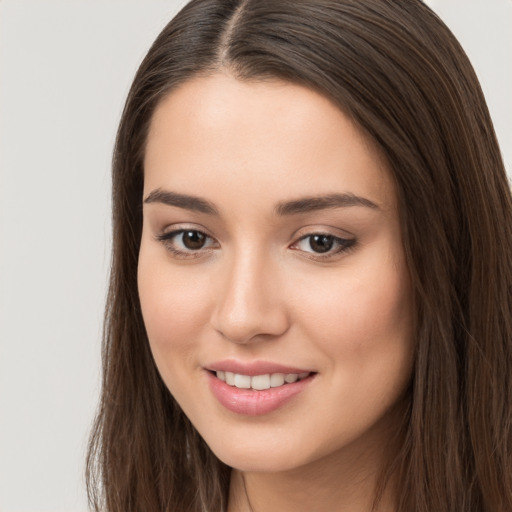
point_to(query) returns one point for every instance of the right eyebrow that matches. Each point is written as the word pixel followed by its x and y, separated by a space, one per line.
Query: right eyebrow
pixel 181 201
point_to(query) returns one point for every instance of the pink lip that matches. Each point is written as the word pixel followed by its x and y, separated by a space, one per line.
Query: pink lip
pixel 250 402
pixel 253 368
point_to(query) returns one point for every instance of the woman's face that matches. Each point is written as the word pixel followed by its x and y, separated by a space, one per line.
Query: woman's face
pixel 271 275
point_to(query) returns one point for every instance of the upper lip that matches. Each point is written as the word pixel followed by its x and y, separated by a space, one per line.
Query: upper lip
pixel 253 368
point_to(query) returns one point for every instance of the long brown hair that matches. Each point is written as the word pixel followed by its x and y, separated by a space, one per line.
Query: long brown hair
pixel 398 72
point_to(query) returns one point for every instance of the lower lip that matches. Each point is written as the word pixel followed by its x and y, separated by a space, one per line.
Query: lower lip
pixel 251 402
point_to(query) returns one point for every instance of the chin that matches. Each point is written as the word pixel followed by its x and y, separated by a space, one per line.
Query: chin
pixel 272 454
pixel 257 461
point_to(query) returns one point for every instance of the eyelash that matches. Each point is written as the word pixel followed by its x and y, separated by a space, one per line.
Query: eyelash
pixel 344 245
pixel 168 238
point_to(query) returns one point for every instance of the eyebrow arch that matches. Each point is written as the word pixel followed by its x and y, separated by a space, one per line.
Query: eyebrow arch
pixel 308 204
pixel 294 207
pixel 181 201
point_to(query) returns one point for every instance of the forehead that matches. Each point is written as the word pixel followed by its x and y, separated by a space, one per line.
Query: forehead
pixel 269 138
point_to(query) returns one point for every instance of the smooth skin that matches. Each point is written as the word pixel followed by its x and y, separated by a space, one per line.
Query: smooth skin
pixel 236 275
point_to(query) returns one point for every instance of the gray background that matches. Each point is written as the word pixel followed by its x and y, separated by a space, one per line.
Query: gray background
pixel 65 69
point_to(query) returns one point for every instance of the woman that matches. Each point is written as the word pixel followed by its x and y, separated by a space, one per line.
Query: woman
pixel 310 299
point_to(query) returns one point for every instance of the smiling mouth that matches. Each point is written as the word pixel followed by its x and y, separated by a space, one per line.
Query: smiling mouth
pixel 259 382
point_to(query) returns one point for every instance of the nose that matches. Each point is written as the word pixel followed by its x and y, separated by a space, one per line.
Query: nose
pixel 250 305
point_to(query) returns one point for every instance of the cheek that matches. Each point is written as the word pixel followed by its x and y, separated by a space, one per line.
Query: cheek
pixel 368 311
pixel 174 307
pixel 365 333
pixel 378 310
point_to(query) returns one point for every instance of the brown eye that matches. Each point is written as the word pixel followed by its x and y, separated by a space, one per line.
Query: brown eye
pixel 321 243
pixel 193 240
pixel 187 243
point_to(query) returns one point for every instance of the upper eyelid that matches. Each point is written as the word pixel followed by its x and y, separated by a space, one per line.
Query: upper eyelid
pixel 311 229
pixel 180 227
pixel 306 231
pixel 167 235
pixel 324 233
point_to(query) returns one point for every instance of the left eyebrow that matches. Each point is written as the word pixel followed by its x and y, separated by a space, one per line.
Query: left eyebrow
pixel 308 204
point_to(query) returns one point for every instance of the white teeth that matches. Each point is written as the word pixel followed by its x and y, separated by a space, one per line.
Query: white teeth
pixel 242 381
pixel 276 380
pixel 259 382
